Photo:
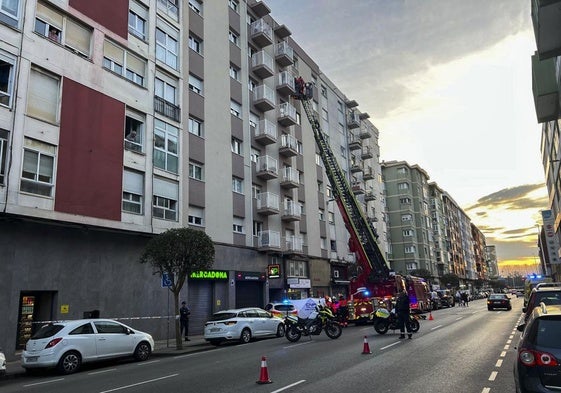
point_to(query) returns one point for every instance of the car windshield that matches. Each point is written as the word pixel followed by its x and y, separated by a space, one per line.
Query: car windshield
pixel 221 316
pixel 47 331
pixel 284 307
pixel 547 333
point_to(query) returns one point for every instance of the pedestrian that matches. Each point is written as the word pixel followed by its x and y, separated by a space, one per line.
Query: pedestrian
pixel 402 309
pixel 459 298
pixel 184 313
pixel 465 299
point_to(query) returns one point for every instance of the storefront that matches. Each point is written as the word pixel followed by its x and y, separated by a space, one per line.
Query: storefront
pixel 250 289
pixel 208 293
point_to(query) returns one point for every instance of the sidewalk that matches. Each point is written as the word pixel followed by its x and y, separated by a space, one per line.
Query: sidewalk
pixel 161 348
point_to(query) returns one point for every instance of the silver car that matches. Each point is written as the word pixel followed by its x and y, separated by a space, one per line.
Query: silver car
pixel 66 345
pixel 242 324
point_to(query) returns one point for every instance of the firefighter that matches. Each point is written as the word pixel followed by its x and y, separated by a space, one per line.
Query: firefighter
pixel 402 309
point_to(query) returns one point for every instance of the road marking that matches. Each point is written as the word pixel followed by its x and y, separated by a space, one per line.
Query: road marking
pixel 508 341
pixel 139 383
pixel 289 386
pixel 486 390
pixel 436 327
pixel 506 346
pixel 457 319
pixel 499 363
pixel 491 377
pixel 296 345
pixel 102 371
pixel 391 345
pixel 145 363
pixel 503 354
pixel 42 383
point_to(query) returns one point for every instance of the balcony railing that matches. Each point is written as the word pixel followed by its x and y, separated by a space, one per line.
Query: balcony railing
pixel 267 167
pixel 268 203
pixel 261 33
pixel 290 178
pixel 264 98
pixel 294 244
pixel 289 145
pixel 365 132
pixel 368 173
pixel 366 153
pixel 291 211
pixel 167 109
pixel 546 18
pixel 266 132
pixel 268 239
pixel 262 64
pixel 355 143
pixel 285 83
pixel 284 54
pixel 353 121
pixel 259 7
pixel 287 114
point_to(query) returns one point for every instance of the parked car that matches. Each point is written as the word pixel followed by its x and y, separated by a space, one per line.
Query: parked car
pixel 242 324
pixel 67 345
pixel 538 364
pixel 498 300
pixel 2 364
pixel 446 298
pixel 546 293
pixel 281 310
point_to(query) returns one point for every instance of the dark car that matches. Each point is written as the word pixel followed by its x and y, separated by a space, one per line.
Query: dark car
pixel 538 364
pixel 547 294
pixel 446 298
pixel 498 300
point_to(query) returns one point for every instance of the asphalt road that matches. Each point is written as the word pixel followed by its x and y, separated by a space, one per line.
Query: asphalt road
pixel 464 349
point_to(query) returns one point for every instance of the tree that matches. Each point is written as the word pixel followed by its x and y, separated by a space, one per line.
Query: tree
pixel 450 280
pixel 179 252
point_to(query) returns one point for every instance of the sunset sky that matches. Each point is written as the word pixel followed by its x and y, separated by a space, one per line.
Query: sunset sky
pixel 448 83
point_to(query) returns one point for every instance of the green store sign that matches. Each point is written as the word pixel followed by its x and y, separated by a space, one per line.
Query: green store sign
pixel 209 275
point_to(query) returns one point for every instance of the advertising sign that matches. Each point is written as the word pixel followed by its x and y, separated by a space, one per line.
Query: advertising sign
pixel 550 237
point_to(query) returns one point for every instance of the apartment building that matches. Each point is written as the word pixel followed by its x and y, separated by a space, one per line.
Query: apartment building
pixel 546 87
pixel 116 126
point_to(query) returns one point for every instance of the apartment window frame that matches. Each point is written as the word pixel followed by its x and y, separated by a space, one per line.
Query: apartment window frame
pixel 234 5
pixel 170 7
pixel 238 225
pixel 235 72
pixel 137 22
pixel 234 38
pixel 135 127
pixel 403 186
pixel 237 185
pixel 42 103
pixel 166 89
pixel 409 249
pixel 236 109
pixel 165 199
pixel 166 146
pixel 196 85
pixel 196 171
pixel 133 192
pixel 196 216
pixel 8 65
pixel 195 44
pixel 196 6
pixel 38 168
pixel 128 65
pixel 167 45
pixel 237 146
pixel 196 127
pixel 13 12
pixel 4 136
pixel 297 268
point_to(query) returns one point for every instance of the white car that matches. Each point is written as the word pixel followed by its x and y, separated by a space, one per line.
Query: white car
pixel 67 344
pixel 242 324
pixel 2 364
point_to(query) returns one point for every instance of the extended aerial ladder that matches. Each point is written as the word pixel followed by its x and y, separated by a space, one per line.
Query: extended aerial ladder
pixel 362 239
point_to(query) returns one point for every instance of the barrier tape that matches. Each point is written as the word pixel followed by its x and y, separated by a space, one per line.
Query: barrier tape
pixel 114 319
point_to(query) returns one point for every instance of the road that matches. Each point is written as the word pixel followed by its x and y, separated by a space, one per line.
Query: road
pixel 463 349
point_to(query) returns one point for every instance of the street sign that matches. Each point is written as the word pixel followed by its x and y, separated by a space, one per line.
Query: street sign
pixel 167 280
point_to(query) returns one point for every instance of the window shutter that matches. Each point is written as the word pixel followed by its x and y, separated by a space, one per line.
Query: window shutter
pixel 136 64
pixel 133 182
pixel 42 98
pixel 113 52
pixel 49 15
pixel 77 37
pixel 166 189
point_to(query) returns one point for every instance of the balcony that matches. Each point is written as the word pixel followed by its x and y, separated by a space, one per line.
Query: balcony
pixel 289 146
pixel 357 188
pixel 292 211
pixel 282 31
pixel 368 174
pixel 366 153
pixel 268 240
pixel 545 89
pixel 290 178
pixel 353 121
pixel 284 54
pixel 167 109
pixel 267 168
pixel 287 114
pixel 546 18
pixel 294 244
pixel 268 203
pixel 370 196
pixel 354 143
pixel 264 98
pixel 351 104
pixel 266 132
pixel 365 132
pixel 285 83
pixel 261 33
pixel 259 8
pixel 262 64
pixel 355 167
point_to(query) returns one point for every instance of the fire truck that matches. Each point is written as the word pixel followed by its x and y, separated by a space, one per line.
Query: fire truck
pixel 374 281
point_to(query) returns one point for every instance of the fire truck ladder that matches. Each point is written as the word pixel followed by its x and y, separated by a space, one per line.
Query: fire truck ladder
pixel 369 256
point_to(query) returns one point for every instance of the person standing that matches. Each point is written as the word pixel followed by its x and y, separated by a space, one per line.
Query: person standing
pixel 184 313
pixel 402 309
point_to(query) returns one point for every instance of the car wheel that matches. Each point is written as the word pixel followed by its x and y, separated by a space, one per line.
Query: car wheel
pixel 280 330
pixel 69 362
pixel 246 336
pixel 142 351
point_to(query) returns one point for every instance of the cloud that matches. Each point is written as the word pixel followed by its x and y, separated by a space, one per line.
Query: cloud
pixel 517 197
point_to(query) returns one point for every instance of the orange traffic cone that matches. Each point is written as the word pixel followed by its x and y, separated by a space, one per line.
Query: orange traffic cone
pixel 264 375
pixel 366 348
pixel 430 316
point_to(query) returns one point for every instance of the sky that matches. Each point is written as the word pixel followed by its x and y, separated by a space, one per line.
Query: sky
pixel 448 83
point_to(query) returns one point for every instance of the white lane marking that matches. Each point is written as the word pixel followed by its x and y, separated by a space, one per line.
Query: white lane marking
pixel 457 319
pixel 506 346
pixel 296 345
pixel 493 376
pixel 486 390
pixel 499 363
pixel 503 354
pixel 508 341
pixel 391 345
pixel 436 327
pixel 43 383
pixel 139 383
pixel 145 363
pixel 289 386
pixel 102 371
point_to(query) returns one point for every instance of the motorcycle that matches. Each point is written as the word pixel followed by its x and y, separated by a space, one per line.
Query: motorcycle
pixel 385 320
pixel 296 327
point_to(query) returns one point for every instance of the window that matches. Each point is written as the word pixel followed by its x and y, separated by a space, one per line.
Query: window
pixel 195 126
pixel 7 72
pixel 196 6
pixel 138 15
pixel 165 146
pixel 251 84
pixel 321 215
pixel 195 171
pixel 133 191
pixel 409 249
pixel 236 146
pixel 196 44
pixel 134 131
pixel 331 217
pixel 406 217
pixel 298 118
pixel 237 185
pixel 38 167
pixel 164 200
pixel 234 38
pixel 253 120
pixel 255 190
pixel 196 216
pixel 407 232
pixel 170 7
pixel 195 84
pixel 235 109
pixel 9 9
pixel 324 91
pixel 43 95
pixel 165 90
pixel 234 72
pixel 238 225
pixel 122 63
pixel 403 186
pixel 63 30
pixel 405 201
pixel 233 4
pixel 167 47
pixel 402 170
pixel 296 268
pixel 3 153
pixel 257 227
pixel 254 155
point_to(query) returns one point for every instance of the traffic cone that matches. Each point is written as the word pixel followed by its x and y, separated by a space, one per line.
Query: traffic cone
pixel 264 375
pixel 430 316
pixel 366 348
